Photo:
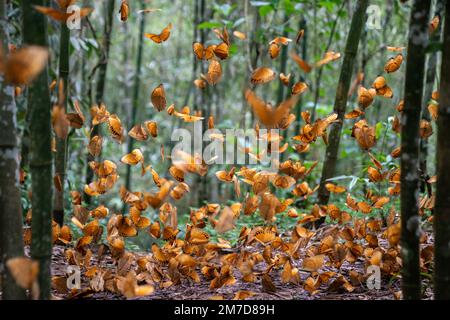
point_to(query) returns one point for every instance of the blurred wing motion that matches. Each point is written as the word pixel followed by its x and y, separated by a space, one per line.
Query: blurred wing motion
pixel 267 115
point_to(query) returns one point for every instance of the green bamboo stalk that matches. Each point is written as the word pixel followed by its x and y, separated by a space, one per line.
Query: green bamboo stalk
pixel 101 80
pixel 136 86
pixel 41 159
pixel 11 239
pixel 61 143
pixel 340 103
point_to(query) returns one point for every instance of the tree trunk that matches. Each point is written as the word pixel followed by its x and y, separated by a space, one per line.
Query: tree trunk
pixel 61 144
pixel 442 207
pixel 409 162
pixel 11 240
pixel 137 84
pixel 340 103
pixel 41 158
pixel 283 59
pixel 283 64
pixel 429 86
pixel 101 80
pixel 304 43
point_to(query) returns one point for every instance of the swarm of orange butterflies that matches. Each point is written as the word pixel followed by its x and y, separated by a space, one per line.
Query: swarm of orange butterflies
pixel 308 259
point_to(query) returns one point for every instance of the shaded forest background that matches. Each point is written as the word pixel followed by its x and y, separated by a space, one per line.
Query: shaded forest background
pixel 111 61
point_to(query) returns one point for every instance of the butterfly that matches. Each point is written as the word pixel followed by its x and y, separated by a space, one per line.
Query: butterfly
pixel 76 120
pixel 382 88
pixel 269 116
pixel 434 24
pixel 394 63
pixel 262 75
pixel 214 72
pixel 138 132
pixel 63 14
pixel 334 188
pixel 124 10
pixel 203 53
pixel 328 57
pixel 240 35
pixel 133 158
pixel 301 63
pixel 163 36
pixel 23 65
pixel 299 88
pixel 158 98
pixel 285 78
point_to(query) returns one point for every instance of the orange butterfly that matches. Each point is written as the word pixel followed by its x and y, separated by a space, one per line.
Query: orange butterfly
pixel 262 75
pixel 124 10
pixel 62 15
pixel 301 63
pixel 158 98
pixel 394 63
pixel 329 57
pixel 299 88
pixel 222 51
pixel 274 50
pixel 334 188
pixel 76 120
pixel 163 36
pixel 299 35
pixel 285 78
pixel 240 35
pixel 24 65
pixel 203 53
pixel 268 116
pixel 434 24
pixel 138 132
pixel 222 35
pixel 214 72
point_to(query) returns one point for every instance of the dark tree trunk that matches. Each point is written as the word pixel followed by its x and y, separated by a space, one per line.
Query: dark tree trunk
pixel 415 70
pixel 101 80
pixel 136 86
pixel 283 64
pixel 429 86
pixel 41 158
pixel 340 103
pixel 61 143
pixel 205 104
pixel 283 60
pixel 442 206
pixel 11 240
pixel 304 44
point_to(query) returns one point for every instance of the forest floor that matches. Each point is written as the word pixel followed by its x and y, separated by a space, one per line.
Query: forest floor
pixel 390 287
pixel 200 291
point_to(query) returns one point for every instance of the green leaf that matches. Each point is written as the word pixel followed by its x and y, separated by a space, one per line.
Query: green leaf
pixel 233 49
pixel 209 25
pixel 378 130
pixel 224 9
pixel 238 22
pixel 265 10
pixel 289 7
pixel 329 5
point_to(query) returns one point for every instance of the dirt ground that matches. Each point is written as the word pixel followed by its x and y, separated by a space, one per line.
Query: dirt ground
pixel 200 291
